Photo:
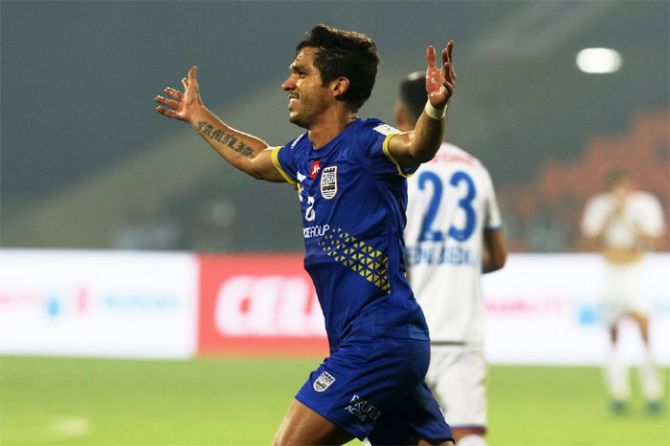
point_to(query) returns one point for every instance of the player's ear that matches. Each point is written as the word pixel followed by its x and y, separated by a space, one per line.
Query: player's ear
pixel 340 86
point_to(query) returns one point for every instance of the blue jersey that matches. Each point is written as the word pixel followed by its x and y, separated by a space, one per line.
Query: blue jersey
pixel 353 198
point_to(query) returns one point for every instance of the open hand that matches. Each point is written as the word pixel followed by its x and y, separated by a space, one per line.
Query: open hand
pixel 182 105
pixel 440 81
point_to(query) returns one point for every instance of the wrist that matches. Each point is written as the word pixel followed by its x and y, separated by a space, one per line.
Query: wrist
pixel 435 113
pixel 197 113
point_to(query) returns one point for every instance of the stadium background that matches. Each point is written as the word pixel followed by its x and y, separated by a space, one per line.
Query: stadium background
pixel 86 164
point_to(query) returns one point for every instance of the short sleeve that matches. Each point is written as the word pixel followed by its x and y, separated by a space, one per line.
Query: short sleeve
pixel 650 215
pixel 493 219
pixel 373 139
pixel 284 160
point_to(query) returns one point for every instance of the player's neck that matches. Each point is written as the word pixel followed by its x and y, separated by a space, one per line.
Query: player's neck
pixel 326 129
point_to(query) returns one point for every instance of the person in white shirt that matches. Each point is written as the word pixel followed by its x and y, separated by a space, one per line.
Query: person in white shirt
pixel 623 224
pixel 453 234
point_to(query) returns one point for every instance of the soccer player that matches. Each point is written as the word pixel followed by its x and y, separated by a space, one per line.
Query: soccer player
pixel 624 223
pixel 452 235
pixel 350 176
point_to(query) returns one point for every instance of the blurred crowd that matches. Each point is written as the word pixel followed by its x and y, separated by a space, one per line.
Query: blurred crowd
pixel 541 216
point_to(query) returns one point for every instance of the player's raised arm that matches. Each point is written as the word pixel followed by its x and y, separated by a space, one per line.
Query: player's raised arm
pixel 413 148
pixel 246 152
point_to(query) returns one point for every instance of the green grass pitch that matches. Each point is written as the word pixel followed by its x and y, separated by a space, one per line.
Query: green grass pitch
pixel 240 401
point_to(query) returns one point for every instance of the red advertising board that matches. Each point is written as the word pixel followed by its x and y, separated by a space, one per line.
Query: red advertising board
pixel 258 304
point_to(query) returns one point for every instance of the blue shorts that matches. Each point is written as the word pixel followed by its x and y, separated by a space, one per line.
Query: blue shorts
pixel 375 388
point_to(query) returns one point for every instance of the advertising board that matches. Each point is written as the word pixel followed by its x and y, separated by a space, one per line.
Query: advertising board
pixel 94 303
pixel 546 309
pixel 259 305
pixel 540 309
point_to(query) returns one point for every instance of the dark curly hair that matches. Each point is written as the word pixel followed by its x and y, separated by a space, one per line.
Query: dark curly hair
pixel 344 53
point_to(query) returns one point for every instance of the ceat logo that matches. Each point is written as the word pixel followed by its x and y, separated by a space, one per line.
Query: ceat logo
pixel 258 304
pixel 314 169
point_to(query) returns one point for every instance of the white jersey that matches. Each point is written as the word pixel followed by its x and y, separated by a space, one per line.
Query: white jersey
pixel 641 210
pixel 451 202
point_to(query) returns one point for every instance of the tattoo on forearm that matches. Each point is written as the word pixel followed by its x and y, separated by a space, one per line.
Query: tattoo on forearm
pixel 207 130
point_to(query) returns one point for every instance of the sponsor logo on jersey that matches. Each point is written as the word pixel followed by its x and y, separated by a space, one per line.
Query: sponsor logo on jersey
pixel 324 381
pixel 362 409
pixel 329 182
pixel 314 169
pixel 315 231
pixel 385 129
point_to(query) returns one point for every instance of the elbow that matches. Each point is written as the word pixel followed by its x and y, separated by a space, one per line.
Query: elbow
pixel 496 262
pixel 425 157
pixel 255 174
pixel 254 170
pixel 429 152
pixel 424 152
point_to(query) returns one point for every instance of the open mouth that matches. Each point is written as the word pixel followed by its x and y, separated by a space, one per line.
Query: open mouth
pixel 292 99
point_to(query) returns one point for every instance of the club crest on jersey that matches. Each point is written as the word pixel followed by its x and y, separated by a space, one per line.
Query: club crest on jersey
pixel 329 182
pixel 314 169
pixel 324 381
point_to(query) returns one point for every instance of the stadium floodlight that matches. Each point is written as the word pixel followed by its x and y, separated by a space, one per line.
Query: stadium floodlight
pixel 598 60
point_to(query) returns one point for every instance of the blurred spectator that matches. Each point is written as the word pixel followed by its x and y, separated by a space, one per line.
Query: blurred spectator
pixel 624 223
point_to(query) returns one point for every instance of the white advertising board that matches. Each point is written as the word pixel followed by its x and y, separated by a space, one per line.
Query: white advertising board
pixel 545 309
pixel 540 309
pixel 91 303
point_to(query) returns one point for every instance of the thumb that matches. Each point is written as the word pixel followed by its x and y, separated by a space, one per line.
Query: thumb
pixel 192 76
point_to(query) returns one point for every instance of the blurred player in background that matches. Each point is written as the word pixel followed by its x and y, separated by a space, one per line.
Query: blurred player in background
pixel 624 223
pixel 350 175
pixel 452 235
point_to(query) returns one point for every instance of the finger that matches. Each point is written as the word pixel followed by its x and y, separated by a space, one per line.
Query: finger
pixel 184 82
pixel 166 112
pixel 430 56
pixel 174 93
pixel 447 51
pixel 192 73
pixel 448 72
pixel 449 88
pixel 449 85
pixel 168 102
pixel 447 61
pixel 446 55
pixel 192 76
pixel 449 75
